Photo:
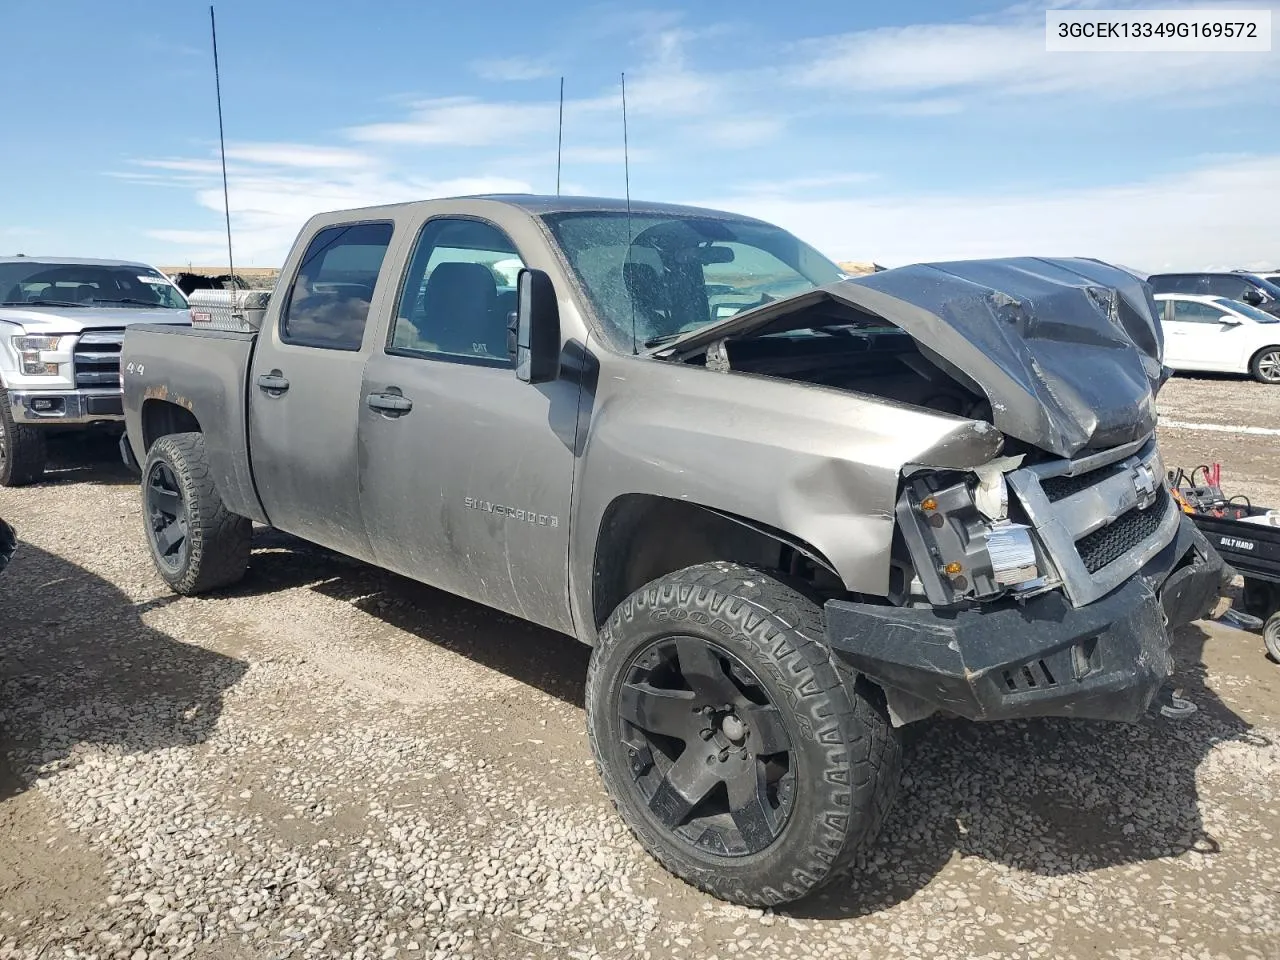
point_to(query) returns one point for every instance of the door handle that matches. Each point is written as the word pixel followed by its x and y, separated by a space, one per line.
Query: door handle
pixel 273 384
pixel 389 404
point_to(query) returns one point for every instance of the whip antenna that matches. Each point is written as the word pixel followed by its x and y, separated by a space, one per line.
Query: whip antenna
pixel 626 172
pixel 222 145
pixel 560 137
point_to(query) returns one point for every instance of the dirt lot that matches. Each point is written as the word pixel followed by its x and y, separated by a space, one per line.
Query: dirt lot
pixel 331 760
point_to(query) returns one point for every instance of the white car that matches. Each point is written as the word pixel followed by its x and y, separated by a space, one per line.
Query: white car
pixel 1214 333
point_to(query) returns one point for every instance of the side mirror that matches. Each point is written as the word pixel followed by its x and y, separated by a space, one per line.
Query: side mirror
pixel 1229 320
pixel 1251 297
pixel 533 332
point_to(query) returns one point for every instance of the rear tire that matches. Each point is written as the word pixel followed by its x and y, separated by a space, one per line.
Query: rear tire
pixel 1265 365
pixel 816 752
pixel 22 449
pixel 197 544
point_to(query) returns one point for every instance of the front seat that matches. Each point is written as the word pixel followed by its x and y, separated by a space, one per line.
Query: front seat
pixel 460 311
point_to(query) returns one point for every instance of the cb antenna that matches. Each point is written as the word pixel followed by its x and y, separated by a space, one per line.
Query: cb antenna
pixel 626 172
pixel 560 137
pixel 222 145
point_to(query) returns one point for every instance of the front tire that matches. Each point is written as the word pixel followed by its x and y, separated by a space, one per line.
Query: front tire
pixel 1265 365
pixel 197 544
pixel 731 744
pixel 22 449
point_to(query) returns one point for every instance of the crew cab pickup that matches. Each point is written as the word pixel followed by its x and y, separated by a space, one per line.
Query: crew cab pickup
pixel 61 325
pixel 792 512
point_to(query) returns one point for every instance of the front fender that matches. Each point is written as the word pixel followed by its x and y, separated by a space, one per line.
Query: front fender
pixel 819 464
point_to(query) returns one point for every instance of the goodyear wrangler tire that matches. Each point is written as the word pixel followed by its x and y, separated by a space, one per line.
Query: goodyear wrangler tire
pixel 730 743
pixel 197 544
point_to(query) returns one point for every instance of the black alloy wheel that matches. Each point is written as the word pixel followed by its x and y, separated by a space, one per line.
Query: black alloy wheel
pixel 166 515
pixel 708 750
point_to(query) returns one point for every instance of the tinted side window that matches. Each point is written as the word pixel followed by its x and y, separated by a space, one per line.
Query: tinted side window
pixel 329 301
pixel 1232 288
pixel 1173 283
pixel 1188 311
pixel 458 291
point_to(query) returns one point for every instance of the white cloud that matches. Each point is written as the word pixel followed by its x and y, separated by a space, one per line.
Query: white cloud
pixel 462 122
pixel 512 69
pixel 1220 215
pixel 267 210
pixel 298 155
pixel 946 61
pixel 782 187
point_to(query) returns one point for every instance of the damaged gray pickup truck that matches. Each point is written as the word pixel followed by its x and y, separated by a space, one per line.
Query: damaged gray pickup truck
pixel 791 511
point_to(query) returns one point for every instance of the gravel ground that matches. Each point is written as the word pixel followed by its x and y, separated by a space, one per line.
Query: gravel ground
pixel 334 761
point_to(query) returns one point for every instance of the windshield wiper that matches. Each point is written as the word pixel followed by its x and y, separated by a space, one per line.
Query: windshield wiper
pixel 40 303
pixel 665 338
pixel 141 303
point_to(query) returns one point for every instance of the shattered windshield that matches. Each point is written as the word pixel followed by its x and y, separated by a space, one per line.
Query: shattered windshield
pixel 679 273
pixel 89 285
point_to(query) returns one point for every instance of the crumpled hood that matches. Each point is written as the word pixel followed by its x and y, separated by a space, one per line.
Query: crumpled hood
pixel 78 319
pixel 1067 351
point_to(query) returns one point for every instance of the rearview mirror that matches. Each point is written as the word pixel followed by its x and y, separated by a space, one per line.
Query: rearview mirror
pixel 533 332
pixel 1251 297
pixel 1230 320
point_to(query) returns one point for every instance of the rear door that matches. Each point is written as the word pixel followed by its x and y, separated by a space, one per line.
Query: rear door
pixel 305 386
pixel 467 472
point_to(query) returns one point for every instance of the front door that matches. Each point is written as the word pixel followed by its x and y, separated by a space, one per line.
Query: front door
pixel 304 390
pixel 1203 341
pixel 466 472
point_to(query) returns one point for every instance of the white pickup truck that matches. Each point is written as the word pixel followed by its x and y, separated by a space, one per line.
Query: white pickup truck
pixel 61 325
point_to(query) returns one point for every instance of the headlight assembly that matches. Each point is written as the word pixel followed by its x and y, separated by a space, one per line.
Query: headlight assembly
pixel 29 349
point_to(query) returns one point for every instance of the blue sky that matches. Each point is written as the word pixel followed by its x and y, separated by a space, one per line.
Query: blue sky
pixel 894 132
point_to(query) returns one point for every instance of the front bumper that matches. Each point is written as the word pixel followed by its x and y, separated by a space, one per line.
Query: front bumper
pixel 1039 658
pixel 65 406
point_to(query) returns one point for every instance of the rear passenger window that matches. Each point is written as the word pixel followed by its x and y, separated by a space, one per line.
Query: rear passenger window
pixel 329 301
pixel 1175 283
pixel 458 291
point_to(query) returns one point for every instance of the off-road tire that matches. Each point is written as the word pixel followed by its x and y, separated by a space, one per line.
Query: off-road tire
pixel 1271 636
pixel 22 449
pixel 848 755
pixel 218 541
pixel 1262 366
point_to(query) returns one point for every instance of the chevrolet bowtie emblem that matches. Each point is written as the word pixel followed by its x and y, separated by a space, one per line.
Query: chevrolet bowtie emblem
pixel 1146 485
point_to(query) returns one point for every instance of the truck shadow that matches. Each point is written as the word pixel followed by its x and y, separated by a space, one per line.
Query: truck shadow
pixel 78 666
pixel 1051 798
pixel 544 659
pixel 92 457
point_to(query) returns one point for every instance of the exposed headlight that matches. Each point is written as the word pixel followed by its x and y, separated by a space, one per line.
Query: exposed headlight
pixel 29 349
pixel 1013 555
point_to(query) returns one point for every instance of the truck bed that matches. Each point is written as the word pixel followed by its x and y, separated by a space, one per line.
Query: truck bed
pixel 167 369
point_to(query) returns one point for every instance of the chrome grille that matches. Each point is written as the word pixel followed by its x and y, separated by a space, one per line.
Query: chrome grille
pixel 1088 516
pixel 97 358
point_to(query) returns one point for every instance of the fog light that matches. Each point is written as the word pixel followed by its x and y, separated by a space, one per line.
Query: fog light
pixel 1013 555
pixel 46 404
